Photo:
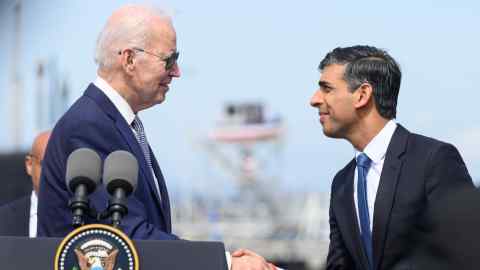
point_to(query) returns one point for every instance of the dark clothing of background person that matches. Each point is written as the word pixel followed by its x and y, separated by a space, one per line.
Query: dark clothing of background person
pixel 15 217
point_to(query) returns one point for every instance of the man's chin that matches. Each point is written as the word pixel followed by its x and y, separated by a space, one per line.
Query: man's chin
pixel 153 101
pixel 330 133
pixel 160 99
pixel 160 96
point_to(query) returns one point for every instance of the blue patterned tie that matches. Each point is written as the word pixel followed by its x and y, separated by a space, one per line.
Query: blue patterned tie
pixel 363 164
pixel 142 141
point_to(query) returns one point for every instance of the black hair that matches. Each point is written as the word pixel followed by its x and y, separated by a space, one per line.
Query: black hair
pixel 372 65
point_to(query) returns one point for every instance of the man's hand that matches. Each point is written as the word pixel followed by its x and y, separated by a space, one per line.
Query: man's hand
pixel 244 259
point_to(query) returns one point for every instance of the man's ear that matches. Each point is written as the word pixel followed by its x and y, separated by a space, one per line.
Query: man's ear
pixel 128 60
pixel 28 165
pixel 363 95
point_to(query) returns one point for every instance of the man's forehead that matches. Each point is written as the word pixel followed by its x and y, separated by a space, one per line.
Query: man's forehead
pixel 162 26
pixel 164 38
pixel 332 72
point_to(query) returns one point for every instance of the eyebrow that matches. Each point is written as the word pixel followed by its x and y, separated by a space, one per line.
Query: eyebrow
pixel 324 84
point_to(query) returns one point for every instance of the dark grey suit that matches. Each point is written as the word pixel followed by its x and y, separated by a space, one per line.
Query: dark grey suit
pixel 417 171
pixel 453 238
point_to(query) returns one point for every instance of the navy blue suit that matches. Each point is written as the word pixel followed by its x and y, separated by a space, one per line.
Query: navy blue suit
pixel 95 123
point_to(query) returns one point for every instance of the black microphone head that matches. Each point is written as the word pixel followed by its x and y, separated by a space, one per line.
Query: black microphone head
pixel 83 167
pixel 120 170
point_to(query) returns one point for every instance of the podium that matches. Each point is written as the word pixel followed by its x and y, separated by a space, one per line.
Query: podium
pixel 21 253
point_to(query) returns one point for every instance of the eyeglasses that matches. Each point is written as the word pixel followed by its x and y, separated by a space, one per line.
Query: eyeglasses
pixel 169 61
pixel 32 156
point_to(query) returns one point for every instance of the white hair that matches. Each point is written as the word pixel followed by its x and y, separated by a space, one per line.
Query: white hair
pixel 132 29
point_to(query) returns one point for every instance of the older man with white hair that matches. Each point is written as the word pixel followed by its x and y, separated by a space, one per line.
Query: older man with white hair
pixel 137 60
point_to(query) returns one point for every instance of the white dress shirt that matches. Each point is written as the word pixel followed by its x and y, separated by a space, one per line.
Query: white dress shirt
pixel 375 150
pixel 118 101
pixel 125 110
pixel 32 221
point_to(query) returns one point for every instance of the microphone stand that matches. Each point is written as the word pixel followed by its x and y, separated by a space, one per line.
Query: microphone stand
pixel 79 205
pixel 117 206
pixel 116 210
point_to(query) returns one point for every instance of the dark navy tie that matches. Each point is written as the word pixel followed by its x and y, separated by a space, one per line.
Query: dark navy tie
pixel 363 164
pixel 142 141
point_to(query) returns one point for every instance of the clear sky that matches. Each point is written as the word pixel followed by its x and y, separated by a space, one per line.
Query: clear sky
pixel 267 51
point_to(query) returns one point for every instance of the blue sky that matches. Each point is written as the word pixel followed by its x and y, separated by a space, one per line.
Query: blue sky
pixel 267 51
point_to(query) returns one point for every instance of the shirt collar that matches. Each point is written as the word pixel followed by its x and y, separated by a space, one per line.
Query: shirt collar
pixel 33 203
pixel 118 101
pixel 377 147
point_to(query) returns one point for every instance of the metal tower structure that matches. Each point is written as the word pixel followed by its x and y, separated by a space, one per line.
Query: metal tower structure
pixel 52 94
pixel 16 87
pixel 246 146
pixel 40 100
pixel 245 143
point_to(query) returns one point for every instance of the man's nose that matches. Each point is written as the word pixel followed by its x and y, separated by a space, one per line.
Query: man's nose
pixel 175 71
pixel 317 98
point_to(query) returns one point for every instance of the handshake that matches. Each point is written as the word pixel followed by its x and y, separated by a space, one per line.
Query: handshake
pixel 120 170
pixel 244 259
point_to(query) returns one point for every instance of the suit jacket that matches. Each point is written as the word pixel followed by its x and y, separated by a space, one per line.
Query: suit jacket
pixel 452 241
pixel 95 123
pixel 15 217
pixel 417 172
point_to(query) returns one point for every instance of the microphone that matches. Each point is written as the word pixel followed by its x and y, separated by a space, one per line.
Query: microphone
pixel 120 174
pixel 82 176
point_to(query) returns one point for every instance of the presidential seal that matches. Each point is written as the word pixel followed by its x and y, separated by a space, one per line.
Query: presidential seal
pixel 96 247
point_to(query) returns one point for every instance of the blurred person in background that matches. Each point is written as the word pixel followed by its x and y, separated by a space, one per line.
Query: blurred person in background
pixel 19 218
pixel 378 198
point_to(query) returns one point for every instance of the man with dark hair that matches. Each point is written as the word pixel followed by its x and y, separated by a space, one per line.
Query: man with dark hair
pixel 378 197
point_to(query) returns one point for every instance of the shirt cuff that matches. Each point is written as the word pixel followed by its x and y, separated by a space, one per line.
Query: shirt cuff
pixel 229 259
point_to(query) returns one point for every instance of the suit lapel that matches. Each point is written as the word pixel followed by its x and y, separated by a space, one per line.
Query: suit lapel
pixel 124 128
pixel 387 188
pixel 163 192
pixel 347 217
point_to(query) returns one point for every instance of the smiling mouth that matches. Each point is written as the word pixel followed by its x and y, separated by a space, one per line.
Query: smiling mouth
pixel 323 116
pixel 166 85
